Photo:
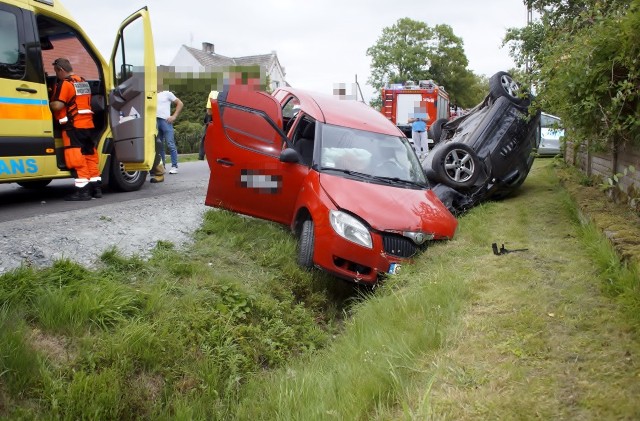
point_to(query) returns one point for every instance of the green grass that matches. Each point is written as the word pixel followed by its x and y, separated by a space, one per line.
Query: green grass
pixel 159 338
pixel 369 365
pixel 232 328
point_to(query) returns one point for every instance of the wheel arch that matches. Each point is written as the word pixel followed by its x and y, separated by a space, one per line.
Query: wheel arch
pixel 302 215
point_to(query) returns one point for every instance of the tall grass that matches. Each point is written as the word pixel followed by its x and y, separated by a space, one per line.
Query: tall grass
pixel 392 361
pixel 373 362
pixel 232 328
pixel 620 278
pixel 175 336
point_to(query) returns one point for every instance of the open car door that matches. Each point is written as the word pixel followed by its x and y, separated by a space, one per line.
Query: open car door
pixel 244 146
pixel 132 99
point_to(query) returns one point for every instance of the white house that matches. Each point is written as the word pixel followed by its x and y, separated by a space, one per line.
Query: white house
pixel 207 59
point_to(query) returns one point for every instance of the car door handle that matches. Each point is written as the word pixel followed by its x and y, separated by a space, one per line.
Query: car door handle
pixel 29 90
pixel 224 162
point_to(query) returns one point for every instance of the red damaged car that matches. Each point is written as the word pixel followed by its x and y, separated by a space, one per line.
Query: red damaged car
pixel 337 172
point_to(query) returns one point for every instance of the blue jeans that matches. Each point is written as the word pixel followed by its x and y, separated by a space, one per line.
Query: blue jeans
pixel 165 132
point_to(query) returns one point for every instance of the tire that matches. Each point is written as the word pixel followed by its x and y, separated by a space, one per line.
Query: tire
pixel 35 184
pixel 305 245
pixel 122 180
pixel 435 131
pixel 502 84
pixel 456 165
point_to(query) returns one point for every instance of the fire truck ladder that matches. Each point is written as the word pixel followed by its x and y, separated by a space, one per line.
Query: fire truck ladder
pixel 387 105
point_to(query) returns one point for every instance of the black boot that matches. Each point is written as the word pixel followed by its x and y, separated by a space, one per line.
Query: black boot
pixel 96 189
pixel 81 193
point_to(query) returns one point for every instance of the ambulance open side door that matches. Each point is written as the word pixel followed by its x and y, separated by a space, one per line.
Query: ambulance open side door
pixel 132 96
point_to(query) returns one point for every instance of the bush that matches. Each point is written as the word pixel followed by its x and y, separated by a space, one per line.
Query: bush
pixel 585 64
pixel 188 136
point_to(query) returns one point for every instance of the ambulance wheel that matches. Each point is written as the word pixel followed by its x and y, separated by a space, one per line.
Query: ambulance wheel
pixel 305 245
pixel 122 180
pixel 35 184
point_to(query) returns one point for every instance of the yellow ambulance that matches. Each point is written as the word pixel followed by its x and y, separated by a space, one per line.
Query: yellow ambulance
pixel 33 33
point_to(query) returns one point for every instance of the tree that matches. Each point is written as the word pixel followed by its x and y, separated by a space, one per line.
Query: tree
pixel 401 53
pixel 449 65
pixel 411 50
pixel 584 62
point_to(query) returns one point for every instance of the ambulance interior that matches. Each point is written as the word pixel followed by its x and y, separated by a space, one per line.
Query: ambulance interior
pixel 59 40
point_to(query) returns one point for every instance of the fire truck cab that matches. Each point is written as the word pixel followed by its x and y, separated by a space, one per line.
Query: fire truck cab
pixel 33 33
pixel 399 101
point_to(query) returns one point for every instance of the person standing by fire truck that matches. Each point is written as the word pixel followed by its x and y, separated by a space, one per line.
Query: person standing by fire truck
pixel 71 106
pixel 418 122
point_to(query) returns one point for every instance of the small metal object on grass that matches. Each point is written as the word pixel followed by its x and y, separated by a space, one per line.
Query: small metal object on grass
pixel 503 250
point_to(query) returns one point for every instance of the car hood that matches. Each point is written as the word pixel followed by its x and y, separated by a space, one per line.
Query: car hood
pixel 389 208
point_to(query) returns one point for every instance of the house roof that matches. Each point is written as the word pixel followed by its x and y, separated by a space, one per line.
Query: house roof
pixel 207 59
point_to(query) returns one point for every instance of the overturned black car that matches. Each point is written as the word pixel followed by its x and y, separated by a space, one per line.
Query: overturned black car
pixel 486 153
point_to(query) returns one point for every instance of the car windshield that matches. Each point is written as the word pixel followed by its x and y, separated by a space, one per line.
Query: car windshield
pixel 368 154
pixel 551 126
pixel 547 121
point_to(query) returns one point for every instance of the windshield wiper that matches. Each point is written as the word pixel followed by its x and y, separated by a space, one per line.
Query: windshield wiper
pixel 350 172
pixel 376 177
pixel 398 180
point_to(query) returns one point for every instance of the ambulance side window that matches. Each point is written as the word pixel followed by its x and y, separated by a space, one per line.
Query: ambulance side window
pixel 12 57
pixel 131 42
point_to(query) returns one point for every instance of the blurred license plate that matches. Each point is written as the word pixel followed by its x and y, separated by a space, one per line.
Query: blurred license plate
pixel 394 268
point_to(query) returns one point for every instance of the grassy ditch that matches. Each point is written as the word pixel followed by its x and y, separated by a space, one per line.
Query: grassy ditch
pixel 233 329
pixel 549 332
pixel 172 337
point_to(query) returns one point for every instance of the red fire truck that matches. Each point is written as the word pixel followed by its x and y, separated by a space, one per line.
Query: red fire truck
pixel 399 101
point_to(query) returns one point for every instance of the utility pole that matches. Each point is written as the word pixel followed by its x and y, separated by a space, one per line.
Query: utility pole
pixel 527 63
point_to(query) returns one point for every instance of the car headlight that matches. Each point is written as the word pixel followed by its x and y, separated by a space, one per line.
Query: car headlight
pixel 350 228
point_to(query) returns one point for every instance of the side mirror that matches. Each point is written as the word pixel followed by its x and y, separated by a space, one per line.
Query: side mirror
pixel 45 43
pixel 289 155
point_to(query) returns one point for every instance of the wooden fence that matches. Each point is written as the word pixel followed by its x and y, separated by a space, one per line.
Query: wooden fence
pixel 605 165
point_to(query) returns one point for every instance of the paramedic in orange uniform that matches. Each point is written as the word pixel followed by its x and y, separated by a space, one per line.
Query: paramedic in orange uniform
pixel 71 106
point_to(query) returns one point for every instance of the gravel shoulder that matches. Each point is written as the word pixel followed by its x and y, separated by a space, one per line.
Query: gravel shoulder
pixel 82 235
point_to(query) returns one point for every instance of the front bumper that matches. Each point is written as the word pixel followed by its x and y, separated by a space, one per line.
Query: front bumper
pixel 353 262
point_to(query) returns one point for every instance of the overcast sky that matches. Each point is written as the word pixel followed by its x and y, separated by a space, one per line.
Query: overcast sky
pixel 319 42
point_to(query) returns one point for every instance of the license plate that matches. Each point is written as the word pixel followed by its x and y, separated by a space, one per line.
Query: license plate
pixel 394 269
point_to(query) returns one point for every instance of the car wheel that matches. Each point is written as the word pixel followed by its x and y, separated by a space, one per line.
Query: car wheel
pixel 435 131
pixel 305 245
pixel 502 84
pixel 35 184
pixel 122 180
pixel 456 165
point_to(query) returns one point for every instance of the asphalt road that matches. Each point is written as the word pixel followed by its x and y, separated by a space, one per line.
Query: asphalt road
pixel 18 203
